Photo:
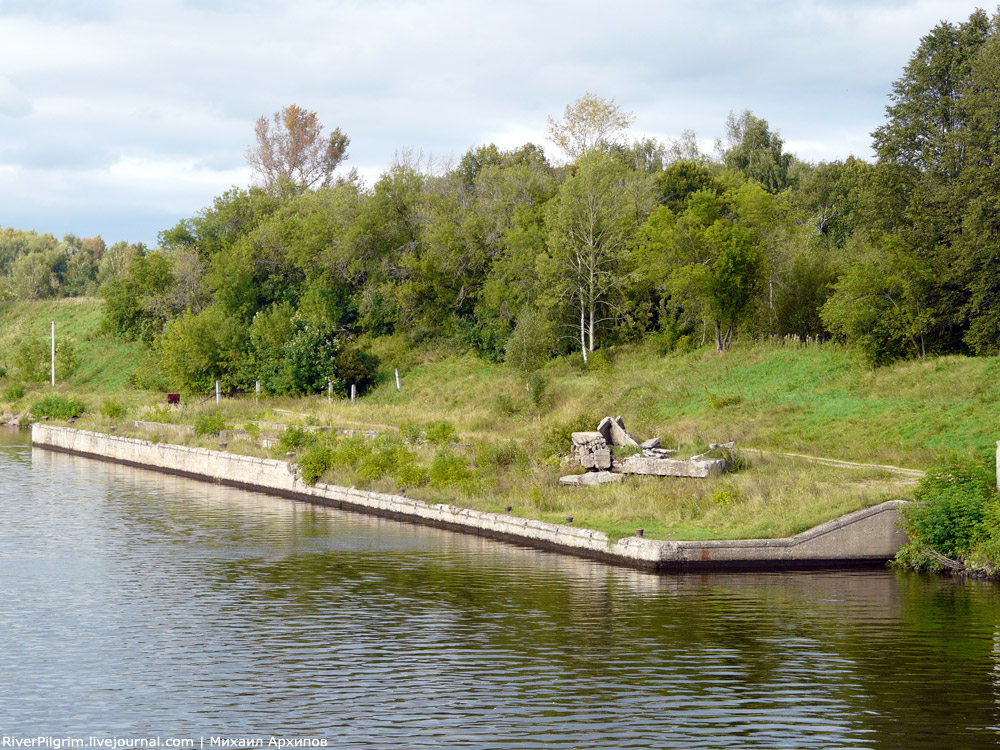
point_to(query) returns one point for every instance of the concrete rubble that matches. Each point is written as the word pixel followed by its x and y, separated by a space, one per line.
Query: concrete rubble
pixel 590 479
pixel 593 452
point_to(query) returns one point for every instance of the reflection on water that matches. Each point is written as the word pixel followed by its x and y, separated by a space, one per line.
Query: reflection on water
pixel 134 602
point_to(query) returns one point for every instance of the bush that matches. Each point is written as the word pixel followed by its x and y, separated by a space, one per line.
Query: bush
pixel 537 386
pixel 294 438
pixel 726 494
pixel 211 423
pixel 386 459
pixel 559 437
pixel 442 433
pixel 315 462
pixel 13 392
pixel 57 407
pixel 348 453
pixel 953 504
pixel 31 360
pixel 448 469
pixel 112 409
pixel 411 433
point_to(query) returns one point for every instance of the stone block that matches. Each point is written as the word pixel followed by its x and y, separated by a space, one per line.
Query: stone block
pixel 596 459
pixel 614 432
pixel 651 443
pixel 669 467
pixel 590 479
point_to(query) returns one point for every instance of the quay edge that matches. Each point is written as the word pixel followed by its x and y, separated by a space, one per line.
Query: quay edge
pixel 865 538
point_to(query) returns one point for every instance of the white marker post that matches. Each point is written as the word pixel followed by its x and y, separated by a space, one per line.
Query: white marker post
pixel 352 393
pixel 218 393
pixel 329 391
pixel 257 386
pixel 398 386
pixel 53 353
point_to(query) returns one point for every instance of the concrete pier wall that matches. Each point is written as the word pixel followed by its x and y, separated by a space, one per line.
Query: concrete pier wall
pixel 866 537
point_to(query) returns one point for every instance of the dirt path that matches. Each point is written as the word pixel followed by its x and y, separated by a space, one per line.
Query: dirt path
pixel 913 474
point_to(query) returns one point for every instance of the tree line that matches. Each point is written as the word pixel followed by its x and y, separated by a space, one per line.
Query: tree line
pixel 622 240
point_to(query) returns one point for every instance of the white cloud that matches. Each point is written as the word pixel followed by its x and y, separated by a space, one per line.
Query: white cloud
pixel 148 105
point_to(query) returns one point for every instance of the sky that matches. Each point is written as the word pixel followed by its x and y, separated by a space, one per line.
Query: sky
pixel 122 117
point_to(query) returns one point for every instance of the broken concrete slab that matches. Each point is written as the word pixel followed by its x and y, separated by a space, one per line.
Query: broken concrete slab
pixel 651 443
pixel 615 433
pixel 658 452
pixel 669 467
pixel 590 479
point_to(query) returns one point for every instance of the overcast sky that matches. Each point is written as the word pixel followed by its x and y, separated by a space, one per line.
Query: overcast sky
pixel 119 118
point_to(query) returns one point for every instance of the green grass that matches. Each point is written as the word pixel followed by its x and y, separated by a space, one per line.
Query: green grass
pixel 817 400
pixel 105 362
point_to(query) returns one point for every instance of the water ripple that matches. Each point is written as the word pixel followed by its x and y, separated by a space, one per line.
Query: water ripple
pixel 136 603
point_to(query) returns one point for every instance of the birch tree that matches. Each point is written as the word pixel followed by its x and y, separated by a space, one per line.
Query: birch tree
pixel 593 222
pixel 590 122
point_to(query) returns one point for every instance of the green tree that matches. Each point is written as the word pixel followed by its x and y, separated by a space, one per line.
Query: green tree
pixel 755 151
pixel 592 224
pixel 928 193
pixel 196 349
pixel 879 304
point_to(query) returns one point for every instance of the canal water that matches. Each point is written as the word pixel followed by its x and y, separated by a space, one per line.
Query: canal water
pixel 137 604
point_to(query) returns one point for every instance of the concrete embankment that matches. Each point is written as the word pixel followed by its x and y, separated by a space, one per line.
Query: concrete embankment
pixel 866 537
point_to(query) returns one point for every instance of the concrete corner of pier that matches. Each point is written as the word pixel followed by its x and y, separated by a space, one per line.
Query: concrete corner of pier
pixel 870 536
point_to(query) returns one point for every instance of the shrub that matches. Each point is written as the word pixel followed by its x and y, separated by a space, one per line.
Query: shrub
pixel 448 469
pixel 58 407
pixel 411 475
pixel 112 409
pixel 315 462
pixel 13 392
pixel 726 494
pixel 349 452
pixel 537 386
pixel 3 371
pixel 442 433
pixel 210 423
pixel 294 438
pixel 31 360
pixel 386 459
pixel 410 432
pixel 953 504
pixel 558 437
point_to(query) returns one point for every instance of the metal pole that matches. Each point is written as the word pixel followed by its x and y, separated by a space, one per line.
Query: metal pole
pixel 218 393
pixel 329 391
pixel 53 353
pixel 352 393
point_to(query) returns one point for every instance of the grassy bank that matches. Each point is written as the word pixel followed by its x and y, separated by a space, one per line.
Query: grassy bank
pixel 772 397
